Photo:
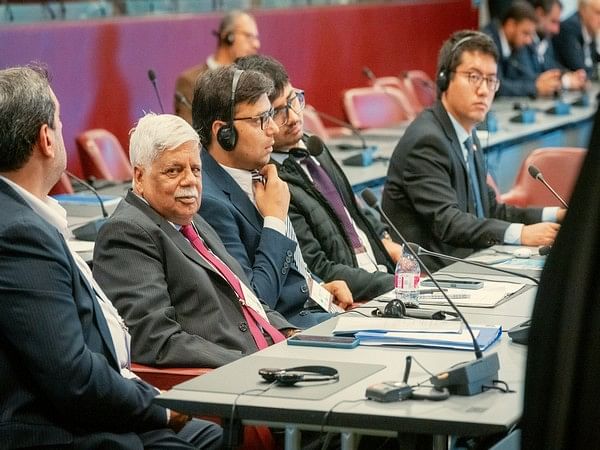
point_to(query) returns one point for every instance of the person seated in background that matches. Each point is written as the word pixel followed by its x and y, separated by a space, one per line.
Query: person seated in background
pixel 247 203
pixel 511 37
pixel 337 240
pixel 436 191
pixel 576 45
pixel 237 36
pixel 184 298
pixel 540 54
pixel 64 367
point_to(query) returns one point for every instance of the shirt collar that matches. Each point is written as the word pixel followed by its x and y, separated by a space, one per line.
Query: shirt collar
pixel 48 209
pixel 461 133
pixel 243 178
pixel 504 45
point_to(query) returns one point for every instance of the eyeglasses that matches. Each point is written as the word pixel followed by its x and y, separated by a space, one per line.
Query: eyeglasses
pixel 295 102
pixel 475 79
pixel 248 36
pixel 262 117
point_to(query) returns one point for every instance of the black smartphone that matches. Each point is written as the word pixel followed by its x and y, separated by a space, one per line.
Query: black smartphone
pixel 323 341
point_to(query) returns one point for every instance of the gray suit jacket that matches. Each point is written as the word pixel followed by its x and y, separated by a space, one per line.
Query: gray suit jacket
pixel 180 311
pixel 428 195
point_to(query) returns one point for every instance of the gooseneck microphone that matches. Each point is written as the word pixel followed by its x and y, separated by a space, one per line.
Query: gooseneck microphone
pixel 466 378
pixel 369 74
pixel 181 99
pixel 537 174
pixel 152 78
pixel 355 131
pixel 89 231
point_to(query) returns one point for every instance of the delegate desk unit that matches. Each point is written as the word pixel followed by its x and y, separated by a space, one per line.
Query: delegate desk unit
pixel 343 407
pixel 505 148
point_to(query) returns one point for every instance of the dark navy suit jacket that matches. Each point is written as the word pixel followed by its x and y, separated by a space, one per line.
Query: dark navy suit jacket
pixel 517 77
pixel 59 375
pixel 568 46
pixel 265 254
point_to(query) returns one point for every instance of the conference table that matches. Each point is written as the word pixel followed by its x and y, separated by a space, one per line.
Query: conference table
pixel 505 148
pixel 237 394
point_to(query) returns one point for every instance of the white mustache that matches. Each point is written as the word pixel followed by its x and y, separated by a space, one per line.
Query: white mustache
pixel 186 192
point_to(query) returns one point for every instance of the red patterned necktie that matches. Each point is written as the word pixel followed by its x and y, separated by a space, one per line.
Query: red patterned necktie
pixel 254 319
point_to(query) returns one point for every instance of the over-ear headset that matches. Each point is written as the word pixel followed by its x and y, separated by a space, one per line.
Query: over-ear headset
pixel 227 134
pixel 229 38
pixel 443 78
pixel 394 308
pixel 293 375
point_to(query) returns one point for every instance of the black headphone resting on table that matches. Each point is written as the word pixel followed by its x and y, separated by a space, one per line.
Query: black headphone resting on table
pixel 394 308
pixel 227 134
pixel 443 78
pixel 293 375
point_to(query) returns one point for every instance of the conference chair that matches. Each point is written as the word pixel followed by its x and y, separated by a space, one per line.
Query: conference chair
pixel 423 86
pixel 403 84
pixel 164 378
pixel 62 186
pixel 560 167
pixel 374 107
pixel 314 124
pixel 102 156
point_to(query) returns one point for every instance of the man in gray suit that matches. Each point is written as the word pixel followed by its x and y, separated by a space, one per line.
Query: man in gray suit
pixel 184 307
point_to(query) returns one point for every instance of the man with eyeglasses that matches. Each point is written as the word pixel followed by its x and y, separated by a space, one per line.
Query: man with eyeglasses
pixel 512 38
pixel 436 191
pixel 237 36
pixel 247 203
pixel 576 44
pixel 337 239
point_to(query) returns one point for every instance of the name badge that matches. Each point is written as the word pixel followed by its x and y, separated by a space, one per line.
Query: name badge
pixel 252 301
pixel 323 298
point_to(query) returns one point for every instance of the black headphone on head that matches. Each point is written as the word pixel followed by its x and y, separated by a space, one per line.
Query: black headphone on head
pixel 443 78
pixel 229 38
pixel 227 134
pixel 293 375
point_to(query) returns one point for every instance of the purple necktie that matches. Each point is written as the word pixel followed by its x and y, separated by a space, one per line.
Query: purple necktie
pixel 254 319
pixel 323 183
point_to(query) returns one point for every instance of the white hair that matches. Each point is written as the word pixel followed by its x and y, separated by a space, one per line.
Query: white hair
pixel 157 133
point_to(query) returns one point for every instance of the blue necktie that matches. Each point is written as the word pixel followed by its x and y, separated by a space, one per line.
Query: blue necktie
pixel 472 169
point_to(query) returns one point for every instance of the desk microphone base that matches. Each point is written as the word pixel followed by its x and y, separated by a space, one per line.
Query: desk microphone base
pixel 468 378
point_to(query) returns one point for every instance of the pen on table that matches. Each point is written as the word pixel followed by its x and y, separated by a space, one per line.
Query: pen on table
pixel 430 291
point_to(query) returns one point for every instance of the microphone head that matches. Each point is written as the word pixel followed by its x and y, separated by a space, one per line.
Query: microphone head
pixel 151 75
pixel 368 73
pixel 369 198
pixel 534 172
pixel 314 144
pixel 545 250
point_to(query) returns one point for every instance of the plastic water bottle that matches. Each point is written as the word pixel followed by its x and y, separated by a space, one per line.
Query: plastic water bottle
pixel 407 279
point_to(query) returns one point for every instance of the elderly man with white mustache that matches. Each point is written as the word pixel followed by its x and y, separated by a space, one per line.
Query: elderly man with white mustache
pixel 183 297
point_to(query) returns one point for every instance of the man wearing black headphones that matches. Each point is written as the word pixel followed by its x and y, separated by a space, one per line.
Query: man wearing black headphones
pixel 436 191
pixel 237 36
pixel 247 203
pixel 338 240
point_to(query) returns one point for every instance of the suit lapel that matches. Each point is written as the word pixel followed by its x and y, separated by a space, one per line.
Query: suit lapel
pixel 230 188
pixel 176 237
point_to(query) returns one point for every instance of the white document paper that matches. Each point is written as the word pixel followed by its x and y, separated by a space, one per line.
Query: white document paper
pixel 351 325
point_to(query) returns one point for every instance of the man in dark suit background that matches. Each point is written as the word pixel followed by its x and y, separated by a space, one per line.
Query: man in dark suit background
pixel 540 55
pixel 575 45
pixel 237 36
pixel 512 36
pixel 181 308
pixel 64 378
pixel 436 191
pixel 234 118
pixel 338 241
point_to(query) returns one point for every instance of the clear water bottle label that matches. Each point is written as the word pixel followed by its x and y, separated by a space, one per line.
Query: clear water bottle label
pixel 407 281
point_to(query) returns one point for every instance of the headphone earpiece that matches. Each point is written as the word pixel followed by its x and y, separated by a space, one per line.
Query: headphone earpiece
pixel 395 308
pixel 227 134
pixel 229 38
pixel 443 77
